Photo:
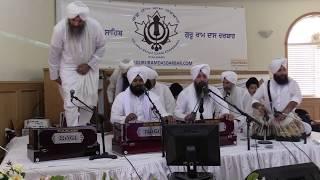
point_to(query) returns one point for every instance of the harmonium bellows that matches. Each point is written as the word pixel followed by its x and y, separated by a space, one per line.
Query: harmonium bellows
pixel 61 143
pixel 143 137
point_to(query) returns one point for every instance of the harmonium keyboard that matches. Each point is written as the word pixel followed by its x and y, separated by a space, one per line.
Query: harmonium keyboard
pixel 61 143
pixel 142 137
pixel 133 138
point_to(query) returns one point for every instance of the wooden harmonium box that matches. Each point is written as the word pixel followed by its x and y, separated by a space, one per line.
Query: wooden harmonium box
pixel 226 130
pixel 61 143
pixel 133 138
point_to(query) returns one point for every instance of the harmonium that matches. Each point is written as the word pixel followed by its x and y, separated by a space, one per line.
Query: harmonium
pixel 226 130
pixel 61 143
pixel 142 137
pixel 134 138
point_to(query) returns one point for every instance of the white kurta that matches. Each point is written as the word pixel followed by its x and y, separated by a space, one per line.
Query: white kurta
pixel 126 103
pixel 165 96
pixel 281 95
pixel 115 85
pixel 64 57
pixel 241 98
pixel 187 101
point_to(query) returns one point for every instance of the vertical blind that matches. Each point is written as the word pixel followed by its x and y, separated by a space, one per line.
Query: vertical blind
pixel 304 67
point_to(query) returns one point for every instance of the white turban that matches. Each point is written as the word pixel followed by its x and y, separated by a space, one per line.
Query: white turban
pixel 125 65
pixel 134 71
pixel 204 68
pixel 151 73
pixel 77 8
pixel 276 64
pixel 230 76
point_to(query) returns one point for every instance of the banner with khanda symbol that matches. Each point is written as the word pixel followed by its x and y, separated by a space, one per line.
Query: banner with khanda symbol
pixel 170 36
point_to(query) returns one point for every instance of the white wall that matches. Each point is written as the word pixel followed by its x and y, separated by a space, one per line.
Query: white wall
pixel 22 24
pixel 34 19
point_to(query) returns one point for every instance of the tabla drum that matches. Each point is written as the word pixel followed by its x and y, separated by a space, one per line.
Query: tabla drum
pixel 258 128
pixel 289 129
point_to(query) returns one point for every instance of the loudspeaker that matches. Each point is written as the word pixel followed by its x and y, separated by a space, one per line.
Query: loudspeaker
pixel 305 171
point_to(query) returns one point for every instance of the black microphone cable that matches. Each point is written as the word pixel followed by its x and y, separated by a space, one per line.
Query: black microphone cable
pixel 124 155
pixel 256 147
pixel 287 115
pixel 72 92
pixel 302 151
pixel 82 108
pixel 295 158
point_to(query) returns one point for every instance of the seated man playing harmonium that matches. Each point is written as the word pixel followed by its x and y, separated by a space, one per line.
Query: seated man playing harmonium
pixel 195 102
pixel 133 104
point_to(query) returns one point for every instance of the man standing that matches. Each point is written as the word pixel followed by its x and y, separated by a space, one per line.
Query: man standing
pixel 196 103
pixel 237 96
pixel 282 99
pixel 133 104
pixel 161 90
pixel 118 80
pixel 77 45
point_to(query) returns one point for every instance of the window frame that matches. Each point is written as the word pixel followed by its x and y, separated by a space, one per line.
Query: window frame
pixel 287 38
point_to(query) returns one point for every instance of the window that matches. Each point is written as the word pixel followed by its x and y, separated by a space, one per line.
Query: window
pixel 303 50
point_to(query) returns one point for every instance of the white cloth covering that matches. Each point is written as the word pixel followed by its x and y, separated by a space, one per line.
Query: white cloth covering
pixel 163 91
pixel 187 103
pixel 116 79
pixel 241 98
pixel 276 64
pixel 236 161
pixel 166 97
pixel 195 70
pixel 229 76
pixel 64 57
pixel 134 71
pixel 125 64
pixel 126 103
pixel 281 95
pixel 77 8
pixel 115 84
pixel 151 73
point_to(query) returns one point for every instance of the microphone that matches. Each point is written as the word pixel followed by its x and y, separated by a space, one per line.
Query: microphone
pixel 72 94
pixel 145 90
pixel 203 92
pixel 227 95
pixel 201 106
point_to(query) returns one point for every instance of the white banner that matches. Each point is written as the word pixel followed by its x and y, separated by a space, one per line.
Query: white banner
pixel 168 36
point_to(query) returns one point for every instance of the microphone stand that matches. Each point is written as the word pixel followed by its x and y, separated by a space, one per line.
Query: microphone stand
pixel 154 107
pixel 101 121
pixel 265 129
pixel 201 108
pixel 248 117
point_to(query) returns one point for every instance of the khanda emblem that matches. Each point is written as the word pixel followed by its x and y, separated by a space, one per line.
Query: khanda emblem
pixel 156 32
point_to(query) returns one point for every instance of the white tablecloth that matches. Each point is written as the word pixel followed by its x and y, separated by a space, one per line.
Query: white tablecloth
pixel 236 162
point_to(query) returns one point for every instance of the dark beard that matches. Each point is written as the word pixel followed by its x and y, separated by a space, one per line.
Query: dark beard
pixel 76 32
pixel 199 88
pixel 282 80
pixel 148 84
pixel 125 82
pixel 137 90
